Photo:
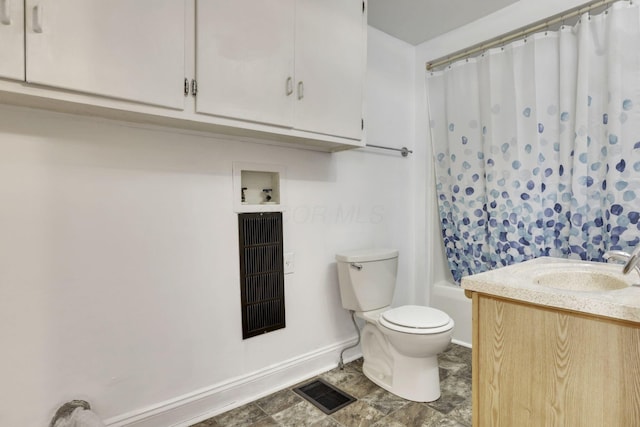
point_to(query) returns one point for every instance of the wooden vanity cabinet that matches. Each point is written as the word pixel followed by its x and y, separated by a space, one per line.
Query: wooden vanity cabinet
pixel 538 366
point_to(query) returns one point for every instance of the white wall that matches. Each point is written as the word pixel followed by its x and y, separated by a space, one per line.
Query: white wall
pixel 390 116
pixel 118 252
pixel 443 293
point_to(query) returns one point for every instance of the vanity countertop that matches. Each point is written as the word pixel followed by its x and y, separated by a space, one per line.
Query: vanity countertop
pixel 518 282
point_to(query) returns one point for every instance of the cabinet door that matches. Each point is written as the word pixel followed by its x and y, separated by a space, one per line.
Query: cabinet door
pixel 132 50
pixel 330 61
pixel 12 39
pixel 244 59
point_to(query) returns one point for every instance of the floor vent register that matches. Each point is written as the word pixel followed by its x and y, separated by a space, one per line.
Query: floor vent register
pixel 324 396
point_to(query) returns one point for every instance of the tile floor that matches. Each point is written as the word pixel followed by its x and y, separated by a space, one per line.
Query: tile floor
pixel 374 407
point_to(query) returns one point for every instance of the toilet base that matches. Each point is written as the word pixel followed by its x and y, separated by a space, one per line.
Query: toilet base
pixel 412 378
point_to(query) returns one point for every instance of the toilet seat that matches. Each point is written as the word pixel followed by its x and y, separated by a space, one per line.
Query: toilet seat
pixel 415 319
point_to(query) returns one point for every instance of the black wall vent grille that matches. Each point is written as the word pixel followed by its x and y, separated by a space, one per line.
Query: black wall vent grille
pixel 261 273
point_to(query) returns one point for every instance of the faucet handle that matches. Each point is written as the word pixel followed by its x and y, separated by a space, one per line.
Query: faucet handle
pixel 633 261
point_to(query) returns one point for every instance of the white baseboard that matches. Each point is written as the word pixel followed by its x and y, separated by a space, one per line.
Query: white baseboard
pixel 462 343
pixel 199 405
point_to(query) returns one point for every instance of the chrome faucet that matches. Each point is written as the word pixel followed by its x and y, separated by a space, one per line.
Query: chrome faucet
pixel 631 260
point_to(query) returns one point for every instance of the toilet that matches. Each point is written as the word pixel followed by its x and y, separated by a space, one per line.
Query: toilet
pixel 400 346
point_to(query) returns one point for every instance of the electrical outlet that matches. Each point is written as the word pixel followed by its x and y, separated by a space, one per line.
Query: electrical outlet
pixel 289 263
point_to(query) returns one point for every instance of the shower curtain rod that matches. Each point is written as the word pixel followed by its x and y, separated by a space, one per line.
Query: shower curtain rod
pixel 517 34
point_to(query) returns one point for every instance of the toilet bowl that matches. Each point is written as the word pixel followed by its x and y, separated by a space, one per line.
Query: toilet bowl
pixel 400 346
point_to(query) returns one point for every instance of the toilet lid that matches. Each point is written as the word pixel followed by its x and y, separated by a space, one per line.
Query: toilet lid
pixel 415 317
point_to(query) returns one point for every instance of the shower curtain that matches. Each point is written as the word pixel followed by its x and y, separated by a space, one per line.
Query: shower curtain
pixel 536 145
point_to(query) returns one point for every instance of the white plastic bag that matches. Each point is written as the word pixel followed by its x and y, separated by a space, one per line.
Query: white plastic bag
pixel 80 417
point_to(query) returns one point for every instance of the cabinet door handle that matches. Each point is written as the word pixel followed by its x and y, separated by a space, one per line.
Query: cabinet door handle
pixel 5 15
pixel 289 85
pixel 37 18
pixel 300 89
pixel 194 87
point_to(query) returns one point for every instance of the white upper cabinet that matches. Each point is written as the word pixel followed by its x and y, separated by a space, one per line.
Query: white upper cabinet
pixel 12 39
pixel 330 64
pixel 132 50
pixel 297 64
pixel 290 71
pixel 244 59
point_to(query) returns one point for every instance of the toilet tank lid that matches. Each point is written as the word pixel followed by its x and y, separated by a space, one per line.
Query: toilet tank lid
pixel 364 255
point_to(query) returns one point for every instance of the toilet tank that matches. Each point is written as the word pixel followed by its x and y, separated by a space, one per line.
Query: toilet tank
pixel 367 278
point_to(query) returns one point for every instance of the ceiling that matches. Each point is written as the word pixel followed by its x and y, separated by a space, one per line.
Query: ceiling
pixel 416 21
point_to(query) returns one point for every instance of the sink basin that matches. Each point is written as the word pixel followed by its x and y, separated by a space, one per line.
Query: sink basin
pixel 579 278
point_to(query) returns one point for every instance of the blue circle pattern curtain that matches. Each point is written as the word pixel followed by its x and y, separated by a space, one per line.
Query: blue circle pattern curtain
pixel 537 146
